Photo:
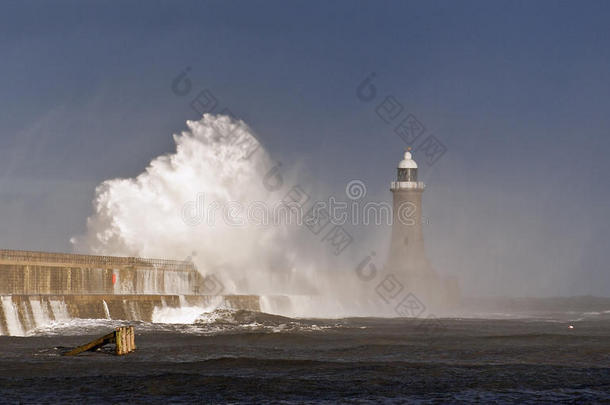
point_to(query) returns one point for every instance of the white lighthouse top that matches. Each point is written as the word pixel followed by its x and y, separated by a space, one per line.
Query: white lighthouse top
pixel 407 162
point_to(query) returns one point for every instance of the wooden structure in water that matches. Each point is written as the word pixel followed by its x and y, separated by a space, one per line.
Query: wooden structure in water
pixel 123 337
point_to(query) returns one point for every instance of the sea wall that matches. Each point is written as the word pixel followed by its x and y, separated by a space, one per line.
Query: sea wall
pixel 38 288
pixel 20 314
pixel 23 272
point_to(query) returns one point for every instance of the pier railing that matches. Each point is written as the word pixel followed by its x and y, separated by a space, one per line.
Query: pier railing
pixel 24 256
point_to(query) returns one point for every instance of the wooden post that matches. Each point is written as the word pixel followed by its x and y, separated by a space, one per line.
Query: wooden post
pixel 125 336
pixel 119 341
pixel 132 334
pixel 127 340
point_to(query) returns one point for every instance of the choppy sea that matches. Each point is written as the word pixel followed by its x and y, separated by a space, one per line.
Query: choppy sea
pixel 228 356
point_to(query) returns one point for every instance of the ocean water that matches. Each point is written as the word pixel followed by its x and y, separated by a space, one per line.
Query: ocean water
pixel 228 356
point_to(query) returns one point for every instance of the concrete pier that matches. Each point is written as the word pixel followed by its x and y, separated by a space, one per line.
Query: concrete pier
pixel 37 288
pixel 25 272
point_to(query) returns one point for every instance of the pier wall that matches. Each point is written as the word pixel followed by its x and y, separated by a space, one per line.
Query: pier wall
pixel 20 314
pixel 38 288
pixel 23 272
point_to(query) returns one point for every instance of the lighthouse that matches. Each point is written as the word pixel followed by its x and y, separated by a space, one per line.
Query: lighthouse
pixel 407 259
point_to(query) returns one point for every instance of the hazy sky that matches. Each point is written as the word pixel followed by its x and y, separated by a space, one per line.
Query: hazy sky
pixel 516 91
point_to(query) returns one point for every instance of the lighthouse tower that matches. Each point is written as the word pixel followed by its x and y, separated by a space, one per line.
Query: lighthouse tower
pixel 407 259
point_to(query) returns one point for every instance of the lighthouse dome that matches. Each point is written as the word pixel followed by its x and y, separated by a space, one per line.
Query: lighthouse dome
pixel 407 162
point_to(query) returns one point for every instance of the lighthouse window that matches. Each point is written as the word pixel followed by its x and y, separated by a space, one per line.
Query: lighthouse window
pixel 407 174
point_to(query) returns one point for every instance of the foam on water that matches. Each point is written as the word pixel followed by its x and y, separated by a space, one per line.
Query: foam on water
pixel 60 310
pixel 11 315
pixel 40 312
pixel 179 315
pixel 74 327
pixel 185 313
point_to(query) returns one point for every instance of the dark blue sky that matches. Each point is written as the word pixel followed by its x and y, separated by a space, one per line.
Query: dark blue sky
pixel 516 91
